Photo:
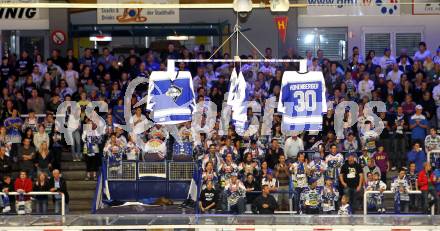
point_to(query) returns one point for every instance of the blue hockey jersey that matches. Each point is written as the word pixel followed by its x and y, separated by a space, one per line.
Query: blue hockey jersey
pixel 171 97
pixel 302 101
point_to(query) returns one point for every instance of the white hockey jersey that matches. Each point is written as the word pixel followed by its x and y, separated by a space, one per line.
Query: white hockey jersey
pixel 171 97
pixel 302 101
pixel 237 100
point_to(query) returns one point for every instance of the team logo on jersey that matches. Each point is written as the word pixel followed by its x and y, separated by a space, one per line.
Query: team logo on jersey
pixel 174 92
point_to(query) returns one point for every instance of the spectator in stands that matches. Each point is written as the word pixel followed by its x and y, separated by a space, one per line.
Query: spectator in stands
pixel 426 181
pixel 234 199
pixel 381 159
pixel 272 182
pixel 36 103
pixel 352 179
pixel 264 203
pixel 23 185
pixel 299 171
pixel 432 141
pixel 26 155
pixel 8 200
pixel 418 125
pixel 41 185
pixel 363 159
pixel 292 146
pixel 395 74
pixel 248 166
pixel 91 139
pixel 399 139
pixel 208 198
pixel 57 147
pixel 5 163
pixel 58 184
pixel 422 53
pixel 387 60
pixel 351 144
pixel 43 159
pixel 418 156
pixel 371 168
pixel 273 153
pixel 400 186
pixel 345 208
pixel 13 124
pixel 40 137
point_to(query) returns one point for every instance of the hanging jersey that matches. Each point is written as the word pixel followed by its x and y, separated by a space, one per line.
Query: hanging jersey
pixel 237 100
pixel 170 97
pixel 302 101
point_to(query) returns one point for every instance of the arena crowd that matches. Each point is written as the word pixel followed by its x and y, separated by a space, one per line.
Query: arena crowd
pixel 325 173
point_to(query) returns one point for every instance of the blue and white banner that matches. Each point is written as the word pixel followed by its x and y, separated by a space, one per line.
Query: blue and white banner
pixel 102 191
pixel 353 7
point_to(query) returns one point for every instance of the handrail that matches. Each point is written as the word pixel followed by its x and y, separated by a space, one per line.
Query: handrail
pixel 366 193
pixel 63 199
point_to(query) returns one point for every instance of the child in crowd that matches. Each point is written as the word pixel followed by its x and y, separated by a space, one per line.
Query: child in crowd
pixel 345 208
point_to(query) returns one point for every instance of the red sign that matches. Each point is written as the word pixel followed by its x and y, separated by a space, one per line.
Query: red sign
pixel 281 23
pixel 58 37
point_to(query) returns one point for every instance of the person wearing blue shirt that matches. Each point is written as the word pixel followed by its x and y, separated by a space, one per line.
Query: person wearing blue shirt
pixel 418 125
pixel 418 156
pixel 437 177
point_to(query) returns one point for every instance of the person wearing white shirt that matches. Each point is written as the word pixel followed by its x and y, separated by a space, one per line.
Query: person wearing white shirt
pixel 268 69
pixel 395 74
pixel 210 74
pixel 71 76
pixel 292 146
pixel 422 53
pixel 356 52
pixel 315 65
pixel 309 57
pixel 365 86
pixel 387 60
pixel 436 58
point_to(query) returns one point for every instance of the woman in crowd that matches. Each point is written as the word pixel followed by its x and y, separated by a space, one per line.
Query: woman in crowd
pixel 41 185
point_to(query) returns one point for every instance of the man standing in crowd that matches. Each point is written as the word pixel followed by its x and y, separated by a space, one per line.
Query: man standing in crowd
pixel 58 184
pixel 292 146
pixel 352 179
pixel 426 182
pixel 418 125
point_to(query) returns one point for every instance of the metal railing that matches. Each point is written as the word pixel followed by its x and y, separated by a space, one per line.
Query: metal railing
pixel 366 193
pixel 63 198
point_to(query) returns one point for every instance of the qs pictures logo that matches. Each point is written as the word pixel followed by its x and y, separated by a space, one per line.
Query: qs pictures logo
pixel 131 15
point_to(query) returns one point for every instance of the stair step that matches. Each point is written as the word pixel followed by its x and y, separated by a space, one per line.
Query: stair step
pixel 82 194
pixel 74 175
pixel 78 205
pixel 66 156
pixel 81 185
pixel 71 165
